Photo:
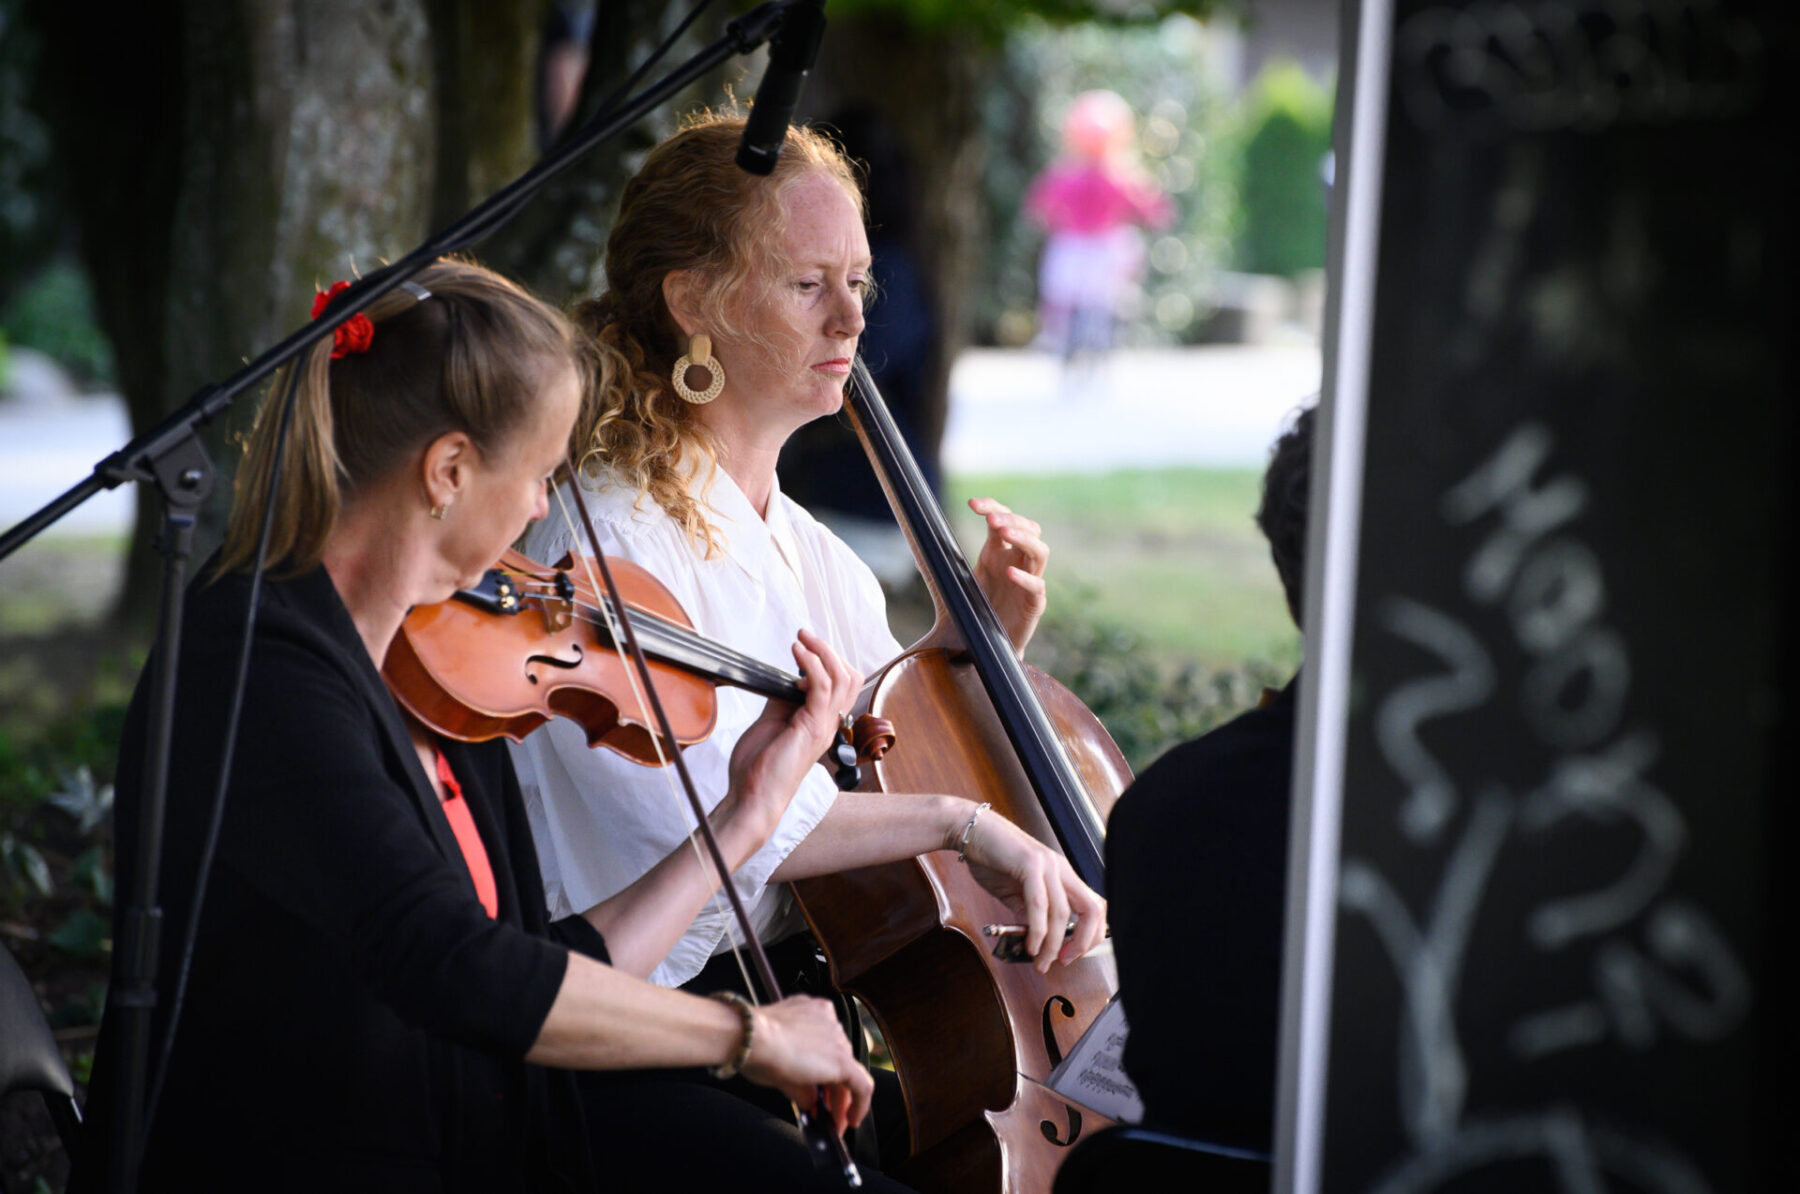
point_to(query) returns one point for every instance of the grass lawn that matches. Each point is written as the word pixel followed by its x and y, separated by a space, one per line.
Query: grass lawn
pixel 57 580
pixel 1171 555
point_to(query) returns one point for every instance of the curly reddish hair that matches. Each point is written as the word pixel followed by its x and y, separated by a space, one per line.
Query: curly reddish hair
pixel 689 207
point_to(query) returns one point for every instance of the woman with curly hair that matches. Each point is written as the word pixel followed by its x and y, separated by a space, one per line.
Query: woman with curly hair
pixel 730 319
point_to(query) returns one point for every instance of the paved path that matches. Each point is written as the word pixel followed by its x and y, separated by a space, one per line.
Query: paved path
pixel 1014 411
pixel 1011 411
pixel 51 443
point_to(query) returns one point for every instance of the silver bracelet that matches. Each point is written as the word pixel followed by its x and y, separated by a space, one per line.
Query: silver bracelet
pixel 962 853
pixel 747 1014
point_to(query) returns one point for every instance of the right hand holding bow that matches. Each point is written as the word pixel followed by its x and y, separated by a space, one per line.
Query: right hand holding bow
pixel 800 1046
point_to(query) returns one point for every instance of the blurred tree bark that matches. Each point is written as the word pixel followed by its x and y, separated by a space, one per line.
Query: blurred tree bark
pixel 223 159
pixel 556 245
pixel 926 82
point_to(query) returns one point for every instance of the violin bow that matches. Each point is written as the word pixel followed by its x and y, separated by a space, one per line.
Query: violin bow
pixel 815 1125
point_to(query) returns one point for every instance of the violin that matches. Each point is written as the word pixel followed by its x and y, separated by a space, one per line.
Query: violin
pixel 531 642
pixel 973 1037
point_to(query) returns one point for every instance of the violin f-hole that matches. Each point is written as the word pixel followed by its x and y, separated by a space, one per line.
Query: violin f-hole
pixel 1062 1004
pixel 553 661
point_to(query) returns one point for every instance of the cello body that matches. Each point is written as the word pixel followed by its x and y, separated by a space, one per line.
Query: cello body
pixel 973 1038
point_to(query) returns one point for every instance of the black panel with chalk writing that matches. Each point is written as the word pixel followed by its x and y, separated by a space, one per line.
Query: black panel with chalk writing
pixel 1555 910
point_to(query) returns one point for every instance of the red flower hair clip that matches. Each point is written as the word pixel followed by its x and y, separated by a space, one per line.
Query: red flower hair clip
pixel 352 335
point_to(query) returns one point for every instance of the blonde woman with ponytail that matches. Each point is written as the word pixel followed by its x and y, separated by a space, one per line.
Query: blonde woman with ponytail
pixel 377 1000
pixel 731 314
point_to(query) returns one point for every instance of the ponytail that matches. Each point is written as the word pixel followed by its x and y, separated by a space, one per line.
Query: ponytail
pixel 470 356
pixel 307 500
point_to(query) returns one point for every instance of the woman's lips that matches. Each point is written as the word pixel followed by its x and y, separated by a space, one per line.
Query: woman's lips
pixel 837 365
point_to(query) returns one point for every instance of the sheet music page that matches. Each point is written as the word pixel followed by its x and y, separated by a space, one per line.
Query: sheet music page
pixel 1093 1074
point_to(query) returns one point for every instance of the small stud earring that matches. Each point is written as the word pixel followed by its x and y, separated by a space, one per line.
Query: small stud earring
pixel 698 356
pixel 441 512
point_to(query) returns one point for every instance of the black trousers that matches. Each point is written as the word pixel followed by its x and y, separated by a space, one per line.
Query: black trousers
pixel 677 1130
pixel 682 1129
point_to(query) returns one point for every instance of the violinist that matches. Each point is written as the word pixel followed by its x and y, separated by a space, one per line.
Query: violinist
pixel 377 1000
pixel 730 317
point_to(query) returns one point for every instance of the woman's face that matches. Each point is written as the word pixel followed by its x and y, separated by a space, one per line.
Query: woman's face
pixel 506 488
pixel 806 311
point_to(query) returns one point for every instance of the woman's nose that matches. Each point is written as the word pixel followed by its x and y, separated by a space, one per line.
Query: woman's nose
pixel 848 314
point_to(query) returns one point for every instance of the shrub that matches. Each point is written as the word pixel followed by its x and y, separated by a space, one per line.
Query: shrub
pixel 1288 134
pixel 1144 707
pixel 56 830
pixel 55 315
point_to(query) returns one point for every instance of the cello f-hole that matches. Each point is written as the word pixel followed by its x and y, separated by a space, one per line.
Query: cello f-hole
pixel 1052 1132
pixel 1062 1004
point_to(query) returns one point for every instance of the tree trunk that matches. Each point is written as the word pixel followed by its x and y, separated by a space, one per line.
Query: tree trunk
pixel 248 152
pixel 557 245
pixel 927 86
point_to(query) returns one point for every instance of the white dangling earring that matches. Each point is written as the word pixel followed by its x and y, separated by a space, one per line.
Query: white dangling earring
pixel 699 355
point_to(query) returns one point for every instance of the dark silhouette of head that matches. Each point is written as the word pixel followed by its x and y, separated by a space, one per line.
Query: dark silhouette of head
pixel 1282 514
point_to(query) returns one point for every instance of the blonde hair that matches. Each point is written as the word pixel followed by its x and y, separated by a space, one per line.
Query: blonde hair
pixel 689 207
pixel 472 358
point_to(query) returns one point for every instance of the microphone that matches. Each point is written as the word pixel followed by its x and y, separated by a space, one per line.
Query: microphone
pixel 791 54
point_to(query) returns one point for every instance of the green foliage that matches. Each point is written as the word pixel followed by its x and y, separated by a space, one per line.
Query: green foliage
pixel 85 934
pixel 29 217
pixel 1184 134
pixel 1171 555
pixel 1288 134
pixel 1120 677
pixel 56 829
pixel 994 19
pixel 55 315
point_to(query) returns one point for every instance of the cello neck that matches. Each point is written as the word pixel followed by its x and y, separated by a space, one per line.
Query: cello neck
pixel 959 598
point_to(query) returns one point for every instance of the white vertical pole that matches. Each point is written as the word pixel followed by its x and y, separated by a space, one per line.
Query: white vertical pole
pixel 1335 515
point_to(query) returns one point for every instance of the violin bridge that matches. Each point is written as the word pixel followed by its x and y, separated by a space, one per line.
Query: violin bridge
pixel 560 613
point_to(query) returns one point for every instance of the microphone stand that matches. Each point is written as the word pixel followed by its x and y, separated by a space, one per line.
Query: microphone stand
pixel 171 458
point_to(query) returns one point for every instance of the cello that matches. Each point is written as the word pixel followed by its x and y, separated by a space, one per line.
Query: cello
pixel 973 1038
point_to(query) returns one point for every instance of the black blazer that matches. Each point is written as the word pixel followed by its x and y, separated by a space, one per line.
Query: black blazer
pixel 354 1021
pixel 1196 872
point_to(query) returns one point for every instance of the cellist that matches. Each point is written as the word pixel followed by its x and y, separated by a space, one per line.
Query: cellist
pixel 730 318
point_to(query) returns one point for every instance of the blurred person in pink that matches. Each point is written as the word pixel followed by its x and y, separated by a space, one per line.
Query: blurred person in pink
pixel 1093 200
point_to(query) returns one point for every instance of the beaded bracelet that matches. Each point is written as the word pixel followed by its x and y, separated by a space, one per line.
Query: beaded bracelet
pixel 747 1014
pixel 962 854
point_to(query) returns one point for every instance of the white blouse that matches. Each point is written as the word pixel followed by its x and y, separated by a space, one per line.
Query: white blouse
pixel 601 820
